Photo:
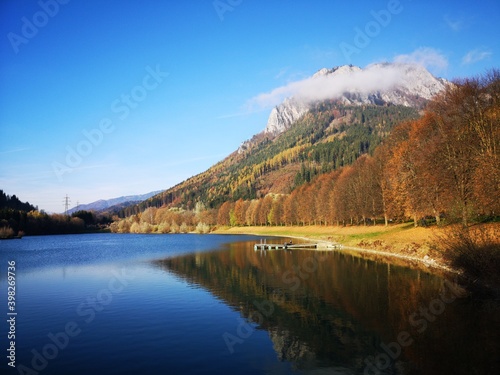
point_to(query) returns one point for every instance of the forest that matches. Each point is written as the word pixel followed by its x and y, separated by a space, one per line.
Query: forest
pixel 13 202
pixel 442 167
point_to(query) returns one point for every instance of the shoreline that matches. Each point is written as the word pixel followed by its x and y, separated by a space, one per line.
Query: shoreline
pixel 377 243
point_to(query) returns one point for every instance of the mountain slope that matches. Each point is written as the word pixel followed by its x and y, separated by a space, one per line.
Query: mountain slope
pixel 329 136
pixel 309 135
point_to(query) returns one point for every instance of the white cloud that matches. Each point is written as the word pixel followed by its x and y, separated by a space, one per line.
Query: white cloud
pixel 322 87
pixel 475 56
pixel 426 57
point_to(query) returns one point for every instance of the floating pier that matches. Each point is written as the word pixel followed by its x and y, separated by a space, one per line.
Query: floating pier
pixel 290 246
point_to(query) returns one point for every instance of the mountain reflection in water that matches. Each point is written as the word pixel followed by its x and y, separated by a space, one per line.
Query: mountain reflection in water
pixel 335 311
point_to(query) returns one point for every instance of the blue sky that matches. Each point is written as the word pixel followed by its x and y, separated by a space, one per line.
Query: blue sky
pixel 100 99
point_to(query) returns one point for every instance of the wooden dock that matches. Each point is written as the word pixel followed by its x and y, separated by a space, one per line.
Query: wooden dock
pixel 290 246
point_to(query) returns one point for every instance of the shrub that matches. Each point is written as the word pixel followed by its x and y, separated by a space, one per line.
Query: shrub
pixel 475 250
pixel 202 228
pixel 164 228
pixel 6 232
pixel 174 227
pixel 183 228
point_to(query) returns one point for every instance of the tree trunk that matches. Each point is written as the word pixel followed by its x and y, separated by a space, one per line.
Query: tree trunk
pixel 438 218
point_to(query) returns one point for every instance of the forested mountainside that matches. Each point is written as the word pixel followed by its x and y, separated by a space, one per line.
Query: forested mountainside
pixel 331 135
pixel 350 165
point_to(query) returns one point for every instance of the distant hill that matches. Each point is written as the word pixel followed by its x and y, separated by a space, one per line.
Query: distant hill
pixel 340 114
pixel 113 204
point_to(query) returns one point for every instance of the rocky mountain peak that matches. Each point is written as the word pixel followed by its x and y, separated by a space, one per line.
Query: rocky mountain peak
pixel 378 84
pixel 284 115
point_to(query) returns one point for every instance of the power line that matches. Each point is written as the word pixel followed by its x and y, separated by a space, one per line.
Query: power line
pixel 66 204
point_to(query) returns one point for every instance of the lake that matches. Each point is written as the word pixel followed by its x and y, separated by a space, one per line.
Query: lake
pixel 210 304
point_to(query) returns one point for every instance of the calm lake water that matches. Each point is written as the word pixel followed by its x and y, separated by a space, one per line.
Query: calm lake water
pixel 210 304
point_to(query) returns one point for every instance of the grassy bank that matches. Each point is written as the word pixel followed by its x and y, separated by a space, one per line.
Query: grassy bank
pixel 398 239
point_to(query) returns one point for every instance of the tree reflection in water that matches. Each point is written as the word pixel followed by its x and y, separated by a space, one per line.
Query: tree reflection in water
pixel 331 310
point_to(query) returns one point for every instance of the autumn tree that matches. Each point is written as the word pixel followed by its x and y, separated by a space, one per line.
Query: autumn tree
pixel 306 207
pixel 275 216
pixel 223 214
pixel 290 209
pixel 331 203
pixel 465 116
pixel 324 188
pixel 251 212
pixel 487 127
pixel 429 193
pixel 367 183
pixel 393 182
pixel 240 208
pixel 263 210
pixel 344 196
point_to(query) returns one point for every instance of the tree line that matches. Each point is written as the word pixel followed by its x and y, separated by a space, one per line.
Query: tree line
pixel 18 222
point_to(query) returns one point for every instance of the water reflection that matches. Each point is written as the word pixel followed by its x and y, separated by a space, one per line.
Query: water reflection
pixel 334 311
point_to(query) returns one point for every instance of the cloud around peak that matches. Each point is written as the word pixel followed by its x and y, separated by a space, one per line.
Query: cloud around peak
pixel 322 87
pixel 332 85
